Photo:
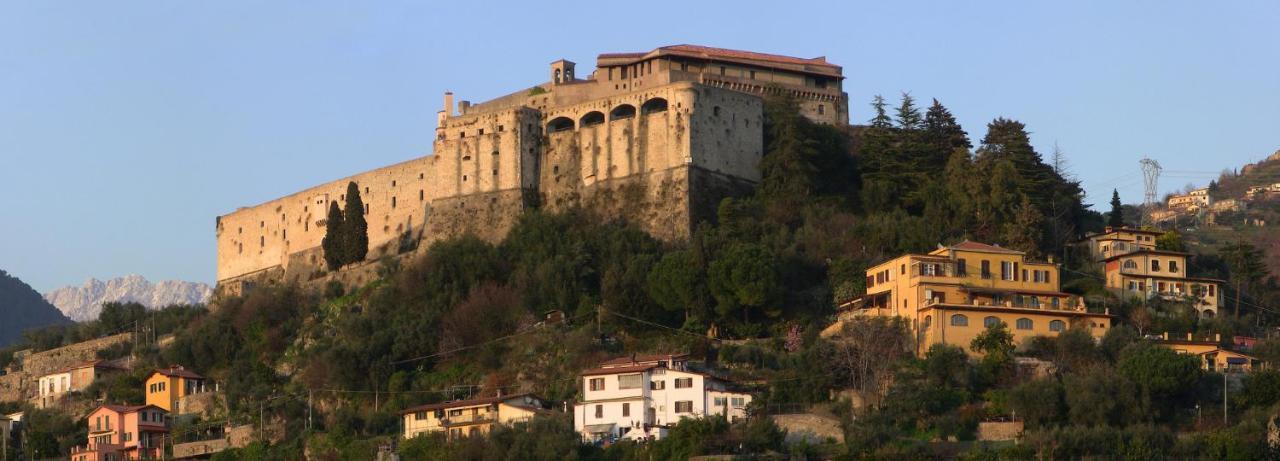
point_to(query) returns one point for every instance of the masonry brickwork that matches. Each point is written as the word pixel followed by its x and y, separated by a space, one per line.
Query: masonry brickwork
pixel 22 378
pixel 655 139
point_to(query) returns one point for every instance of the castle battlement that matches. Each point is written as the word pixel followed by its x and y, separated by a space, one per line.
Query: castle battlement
pixel 654 138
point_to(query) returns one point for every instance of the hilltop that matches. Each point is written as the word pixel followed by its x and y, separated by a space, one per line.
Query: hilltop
pixel 22 308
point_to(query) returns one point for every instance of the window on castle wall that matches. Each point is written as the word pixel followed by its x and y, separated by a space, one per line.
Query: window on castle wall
pixel 420 175
pixel 241 248
pixel 500 128
pixel 495 172
pixel 464 178
pixel 421 195
pixel 466 157
pixel 366 208
pixel 462 134
pixel 393 202
pixel 284 234
pixel 262 240
pixel 481 133
pixel 366 190
pixel 306 226
pixel 393 183
pixel 495 152
pixel 822 109
pixel 715 111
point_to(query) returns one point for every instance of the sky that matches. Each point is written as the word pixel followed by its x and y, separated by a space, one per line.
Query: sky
pixel 127 127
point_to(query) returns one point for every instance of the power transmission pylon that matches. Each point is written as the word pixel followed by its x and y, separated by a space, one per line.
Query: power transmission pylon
pixel 1151 178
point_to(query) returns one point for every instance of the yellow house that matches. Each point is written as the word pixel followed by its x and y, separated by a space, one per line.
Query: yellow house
pixel 464 418
pixel 166 387
pixel 952 294
pixel 1157 273
pixel 1119 240
pixel 1211 354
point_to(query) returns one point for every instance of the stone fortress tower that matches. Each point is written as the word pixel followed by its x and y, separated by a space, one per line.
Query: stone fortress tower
pixel 656 138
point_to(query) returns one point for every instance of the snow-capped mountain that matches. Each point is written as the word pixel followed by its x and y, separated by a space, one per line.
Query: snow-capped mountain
pixel 84 302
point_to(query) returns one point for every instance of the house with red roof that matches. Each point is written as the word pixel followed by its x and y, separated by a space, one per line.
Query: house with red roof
pixel 167 387
pixel 465 418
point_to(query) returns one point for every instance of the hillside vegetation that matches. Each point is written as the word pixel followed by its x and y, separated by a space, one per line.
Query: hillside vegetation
pixel 469 319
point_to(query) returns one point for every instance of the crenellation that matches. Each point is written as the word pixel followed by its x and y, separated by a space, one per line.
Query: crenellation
pixel 655 139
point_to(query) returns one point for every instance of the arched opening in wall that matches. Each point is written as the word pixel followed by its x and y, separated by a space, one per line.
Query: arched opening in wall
pixel 559 124
pixel 592 118
pixel 654 105
pixel 622 111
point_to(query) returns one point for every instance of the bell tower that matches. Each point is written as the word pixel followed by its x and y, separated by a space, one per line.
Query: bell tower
pixel 561 72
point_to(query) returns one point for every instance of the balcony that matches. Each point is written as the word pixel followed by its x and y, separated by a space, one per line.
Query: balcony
pixel 468 419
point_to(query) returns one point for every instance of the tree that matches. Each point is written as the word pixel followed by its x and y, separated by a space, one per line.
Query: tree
pixel 868 349
pixel 908 116
pixel 355 229
pixel 995 343
pixel 1246 266
pixel 1164 376
pixel 1170 241
pixel 745 276
pixel 333 241
pixel 881 119
pixel 677 283
pixel 1116 217
pixel 1023 233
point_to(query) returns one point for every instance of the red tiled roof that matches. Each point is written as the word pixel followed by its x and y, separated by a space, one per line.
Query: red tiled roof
pixel 975 246
pixel 818 64
pixel 612 370
pixel 127 408
pixel 178 373
pixel 1146 251
pixel 464 403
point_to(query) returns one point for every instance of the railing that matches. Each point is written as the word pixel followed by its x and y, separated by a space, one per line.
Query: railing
pixel 467 419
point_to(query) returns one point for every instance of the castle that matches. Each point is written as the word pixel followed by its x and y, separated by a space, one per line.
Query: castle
pixel 655 138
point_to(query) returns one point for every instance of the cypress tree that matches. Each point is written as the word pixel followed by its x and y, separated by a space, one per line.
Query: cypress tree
pixel 355 229
pixel 1116 219
pixel 332 244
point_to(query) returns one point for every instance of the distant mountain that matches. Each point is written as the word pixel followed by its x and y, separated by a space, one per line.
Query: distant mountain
pixel 84 302
pixel 22 308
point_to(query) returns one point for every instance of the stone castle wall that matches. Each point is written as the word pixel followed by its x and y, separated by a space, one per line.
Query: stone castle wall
pixel 645 156
pixel 20 383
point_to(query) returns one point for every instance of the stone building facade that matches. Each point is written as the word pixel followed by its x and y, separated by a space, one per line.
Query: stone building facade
pixel 655 139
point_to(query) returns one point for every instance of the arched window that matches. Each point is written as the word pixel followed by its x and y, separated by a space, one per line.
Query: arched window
pixel 591 119
pixel 1207 313
pixel 990 321
pixel 559 124
pixel 928 321
pixel 959 320
pixel 622 111
pixel 654 105
pixel 1024 323
pixel 1057 325
pixel 1130 264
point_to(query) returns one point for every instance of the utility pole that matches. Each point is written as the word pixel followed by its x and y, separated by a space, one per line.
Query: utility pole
pixel 1224 396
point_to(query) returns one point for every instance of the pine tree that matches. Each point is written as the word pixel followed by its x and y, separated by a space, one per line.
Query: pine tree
pixel 1023 232
pixel 908 115
pixel 332 244
pixel 355 230
pixel 1116 218
pixel 881 119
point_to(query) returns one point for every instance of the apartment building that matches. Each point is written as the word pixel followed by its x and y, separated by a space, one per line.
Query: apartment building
pixel 165 388
pixel 1151 273
pixel 1119 240
pixel 465 418
pixel 56 385
pixel 1212 356
pixel 639 397
pixel 1192 201
pixel 119 432
pixel 954 293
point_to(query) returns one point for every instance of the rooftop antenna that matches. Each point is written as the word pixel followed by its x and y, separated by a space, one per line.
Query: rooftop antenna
pixel 1151 177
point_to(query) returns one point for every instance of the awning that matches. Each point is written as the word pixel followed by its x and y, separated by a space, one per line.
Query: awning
pixel 598 428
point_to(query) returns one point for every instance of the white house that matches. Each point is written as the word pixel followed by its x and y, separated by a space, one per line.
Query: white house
pixel 639 397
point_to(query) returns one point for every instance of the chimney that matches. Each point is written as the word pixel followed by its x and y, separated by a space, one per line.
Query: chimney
pixel 1166 336
pixel 1107 230
pixel 1217 337
pixel 1189 336
pixel 448 104
pixel 1050 259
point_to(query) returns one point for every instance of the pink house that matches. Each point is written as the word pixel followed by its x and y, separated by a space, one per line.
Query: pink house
pixel 118 432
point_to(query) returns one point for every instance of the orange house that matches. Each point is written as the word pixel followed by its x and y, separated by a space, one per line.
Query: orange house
pixel 166 387
pixel 118 432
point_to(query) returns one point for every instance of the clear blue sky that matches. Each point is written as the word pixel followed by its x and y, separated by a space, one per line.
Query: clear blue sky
pixel 126 127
